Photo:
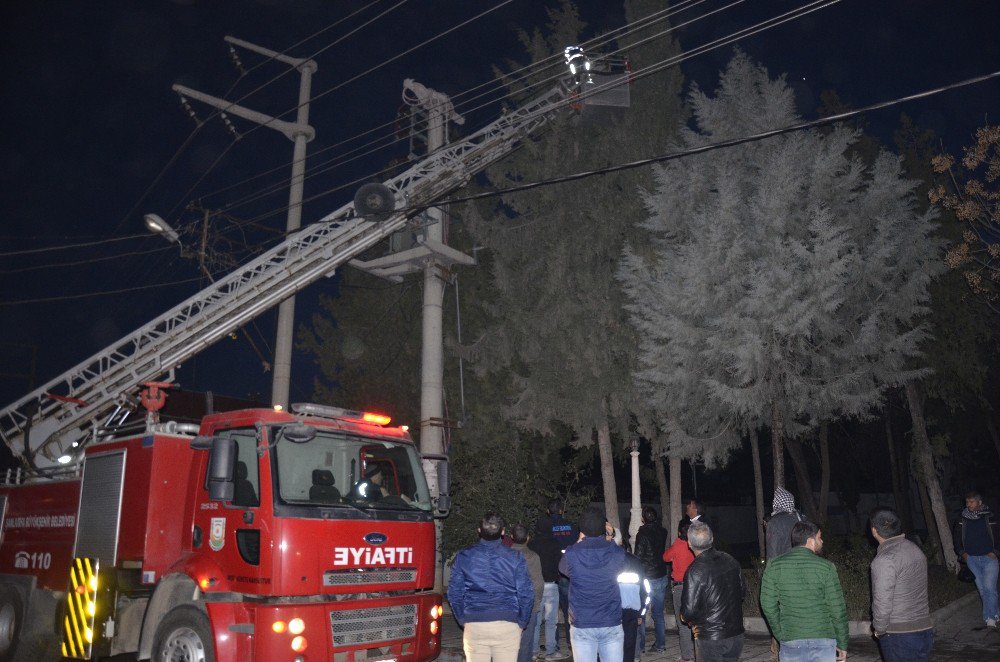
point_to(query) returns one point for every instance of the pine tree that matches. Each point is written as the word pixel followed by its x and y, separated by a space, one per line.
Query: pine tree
pixel 558 318
pixel 787 281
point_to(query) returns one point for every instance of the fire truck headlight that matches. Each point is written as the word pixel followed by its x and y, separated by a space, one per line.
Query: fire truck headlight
pixel 434 627
pixel 278 627
pixel 299 644
pixel 91 608
pixel 296 626
pixel 93 583
pixel 88 634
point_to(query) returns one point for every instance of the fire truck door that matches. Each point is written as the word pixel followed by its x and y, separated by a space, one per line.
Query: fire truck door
pixel 232 530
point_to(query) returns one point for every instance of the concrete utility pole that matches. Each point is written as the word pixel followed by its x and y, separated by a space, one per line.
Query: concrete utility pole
pixel 300 133
pixel 434 258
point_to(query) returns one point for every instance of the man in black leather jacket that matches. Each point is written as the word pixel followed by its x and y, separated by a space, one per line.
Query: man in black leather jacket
pixel 712 599
pixel 650 543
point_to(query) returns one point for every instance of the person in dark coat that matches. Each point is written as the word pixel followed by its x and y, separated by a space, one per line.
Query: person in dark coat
pixel 976 542
pixel 565 534
pixel 550 553
pixel 712 599
pixel 778 531
pixel 650 543
pixel 491 595
pixel 595 605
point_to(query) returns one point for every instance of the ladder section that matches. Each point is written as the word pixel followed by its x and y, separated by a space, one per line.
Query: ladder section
pixel 70 407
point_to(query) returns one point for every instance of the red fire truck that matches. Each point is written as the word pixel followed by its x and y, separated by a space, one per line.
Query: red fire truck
pixel 261 535
pixel 178 544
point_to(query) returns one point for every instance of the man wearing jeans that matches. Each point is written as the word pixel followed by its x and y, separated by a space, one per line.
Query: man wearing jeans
pixel 900 614
pixel 803 602
pixel 550 553
pixel 595 605
pixel 976 540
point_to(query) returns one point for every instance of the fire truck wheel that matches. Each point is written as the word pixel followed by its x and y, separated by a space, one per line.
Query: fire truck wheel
pixel 183 636
pixel 11 618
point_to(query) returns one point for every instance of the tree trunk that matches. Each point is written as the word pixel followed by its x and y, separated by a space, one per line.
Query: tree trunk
pixel 758 488
pixel 806 499
pixel 900 486
pixel 993 433
pixel 608 473
pixel 932 534
pixel 824 476
pixel 777 445
pixel 676 511
pixel 922 448
pixel 661 482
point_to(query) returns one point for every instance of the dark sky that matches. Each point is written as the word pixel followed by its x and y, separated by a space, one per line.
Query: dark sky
pixel 90 120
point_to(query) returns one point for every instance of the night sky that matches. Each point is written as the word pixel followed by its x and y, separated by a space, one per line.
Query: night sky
pixel 90 121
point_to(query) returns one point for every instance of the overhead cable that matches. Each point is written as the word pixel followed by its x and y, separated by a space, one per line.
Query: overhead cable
pixel 534 68
pixel 368 71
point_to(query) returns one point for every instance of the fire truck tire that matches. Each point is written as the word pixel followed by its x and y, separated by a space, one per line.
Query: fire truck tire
pixel 184 635
pixel 11 620
pixel 374 202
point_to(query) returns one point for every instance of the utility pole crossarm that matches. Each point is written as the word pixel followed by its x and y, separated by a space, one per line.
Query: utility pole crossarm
pixel 288 129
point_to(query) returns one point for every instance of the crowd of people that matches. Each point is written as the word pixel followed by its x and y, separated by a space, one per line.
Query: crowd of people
pixel 510 587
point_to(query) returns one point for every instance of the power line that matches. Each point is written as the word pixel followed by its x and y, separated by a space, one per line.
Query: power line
pixel 330 164
pixel 63 247
pixel 117 256
pixel 639 24
pixel 757 28
pixel 334 88
pixel 620 167
pixel 87 295
pixel 711 146
pixel 187 141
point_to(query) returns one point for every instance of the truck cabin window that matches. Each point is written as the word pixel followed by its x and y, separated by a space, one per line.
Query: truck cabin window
pixel 336 469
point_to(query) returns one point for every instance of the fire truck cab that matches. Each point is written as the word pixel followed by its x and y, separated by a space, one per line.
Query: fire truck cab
pixel 245 542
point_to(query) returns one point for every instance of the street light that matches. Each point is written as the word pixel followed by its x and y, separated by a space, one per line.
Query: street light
pixel 157 225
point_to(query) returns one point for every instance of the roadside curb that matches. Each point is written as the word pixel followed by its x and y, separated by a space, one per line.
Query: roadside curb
pixel 947 611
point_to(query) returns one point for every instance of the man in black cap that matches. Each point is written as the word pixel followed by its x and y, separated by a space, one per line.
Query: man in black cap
pixel 595 604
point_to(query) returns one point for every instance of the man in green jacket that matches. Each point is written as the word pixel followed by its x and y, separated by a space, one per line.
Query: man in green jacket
pixel 803 602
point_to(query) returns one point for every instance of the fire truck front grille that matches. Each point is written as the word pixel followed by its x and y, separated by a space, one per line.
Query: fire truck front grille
pixel 365 626
pixel 369 576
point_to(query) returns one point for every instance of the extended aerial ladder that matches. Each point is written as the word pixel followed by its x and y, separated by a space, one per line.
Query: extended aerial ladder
pixel 47 428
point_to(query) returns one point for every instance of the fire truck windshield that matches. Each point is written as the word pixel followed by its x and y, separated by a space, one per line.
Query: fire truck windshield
pixel 339 469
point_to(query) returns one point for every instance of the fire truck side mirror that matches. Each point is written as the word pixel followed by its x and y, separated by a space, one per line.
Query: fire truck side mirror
pixel 222 469
pixel 201 443
pixel 443 497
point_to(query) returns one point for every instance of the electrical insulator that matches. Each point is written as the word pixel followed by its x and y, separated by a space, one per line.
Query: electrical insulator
pixel 229 125
pixel 190 110
pixel 237 62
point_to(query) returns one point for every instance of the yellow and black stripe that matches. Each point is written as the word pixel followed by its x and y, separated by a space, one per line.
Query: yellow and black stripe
pixel 81 609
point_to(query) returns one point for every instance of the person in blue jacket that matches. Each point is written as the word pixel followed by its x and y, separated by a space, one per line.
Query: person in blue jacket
pixel 595 605
pixel 491 595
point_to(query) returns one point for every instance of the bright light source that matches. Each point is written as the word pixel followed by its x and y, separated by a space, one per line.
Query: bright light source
pixel 296 626
pixel 65 459
pixel 377 419
pixel 157 225
pixel 278 627
pixel 299 644
pixel 278 408
pixel 405 428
